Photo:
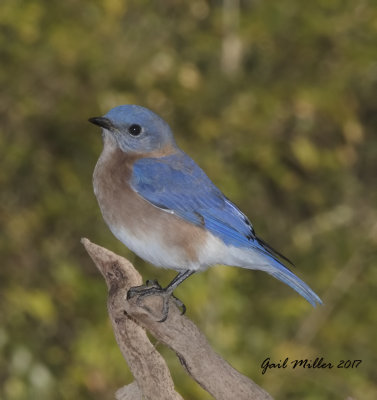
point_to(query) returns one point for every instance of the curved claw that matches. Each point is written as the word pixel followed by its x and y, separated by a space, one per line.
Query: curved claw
pixel 145 291
pixel 179 303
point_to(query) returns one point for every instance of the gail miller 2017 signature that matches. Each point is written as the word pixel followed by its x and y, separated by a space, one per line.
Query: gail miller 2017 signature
pixel 318 362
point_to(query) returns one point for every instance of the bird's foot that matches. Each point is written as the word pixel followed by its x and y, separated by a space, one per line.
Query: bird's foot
pixel 153 288
pixel 152 282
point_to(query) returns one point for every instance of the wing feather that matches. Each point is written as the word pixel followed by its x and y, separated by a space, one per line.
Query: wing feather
pixel 176 183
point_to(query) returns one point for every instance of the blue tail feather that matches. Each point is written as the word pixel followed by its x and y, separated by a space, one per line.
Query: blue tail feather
pixel 286 276
pixel 281 272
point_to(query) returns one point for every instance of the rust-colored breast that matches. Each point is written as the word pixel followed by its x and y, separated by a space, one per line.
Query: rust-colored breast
pixel 123 208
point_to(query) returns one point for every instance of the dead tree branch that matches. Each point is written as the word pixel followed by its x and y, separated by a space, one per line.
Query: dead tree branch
pixel 152 376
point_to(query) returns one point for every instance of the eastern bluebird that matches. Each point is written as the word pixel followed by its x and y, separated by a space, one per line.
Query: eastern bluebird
pixel 161 205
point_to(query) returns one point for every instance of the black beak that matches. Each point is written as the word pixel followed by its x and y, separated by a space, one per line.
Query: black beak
pixel 102 122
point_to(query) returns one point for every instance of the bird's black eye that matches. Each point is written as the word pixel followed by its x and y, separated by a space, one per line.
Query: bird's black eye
pixel 134 130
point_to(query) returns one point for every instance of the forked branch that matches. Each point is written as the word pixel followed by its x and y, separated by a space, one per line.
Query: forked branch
pixel 152 376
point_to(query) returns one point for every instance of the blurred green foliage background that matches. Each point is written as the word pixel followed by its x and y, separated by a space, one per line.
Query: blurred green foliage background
pixel 277 101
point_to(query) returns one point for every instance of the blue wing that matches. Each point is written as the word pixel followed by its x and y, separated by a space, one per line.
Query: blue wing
pixel 176 183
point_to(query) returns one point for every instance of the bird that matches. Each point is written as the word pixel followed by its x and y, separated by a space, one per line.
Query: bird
pixel 161 205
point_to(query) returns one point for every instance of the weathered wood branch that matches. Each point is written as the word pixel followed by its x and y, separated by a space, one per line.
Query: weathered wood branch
pixel 152 376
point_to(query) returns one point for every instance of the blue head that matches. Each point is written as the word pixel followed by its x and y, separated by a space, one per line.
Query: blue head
pixel 136 129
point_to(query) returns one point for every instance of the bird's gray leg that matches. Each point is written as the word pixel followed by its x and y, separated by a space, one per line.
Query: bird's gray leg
pixel 166 293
